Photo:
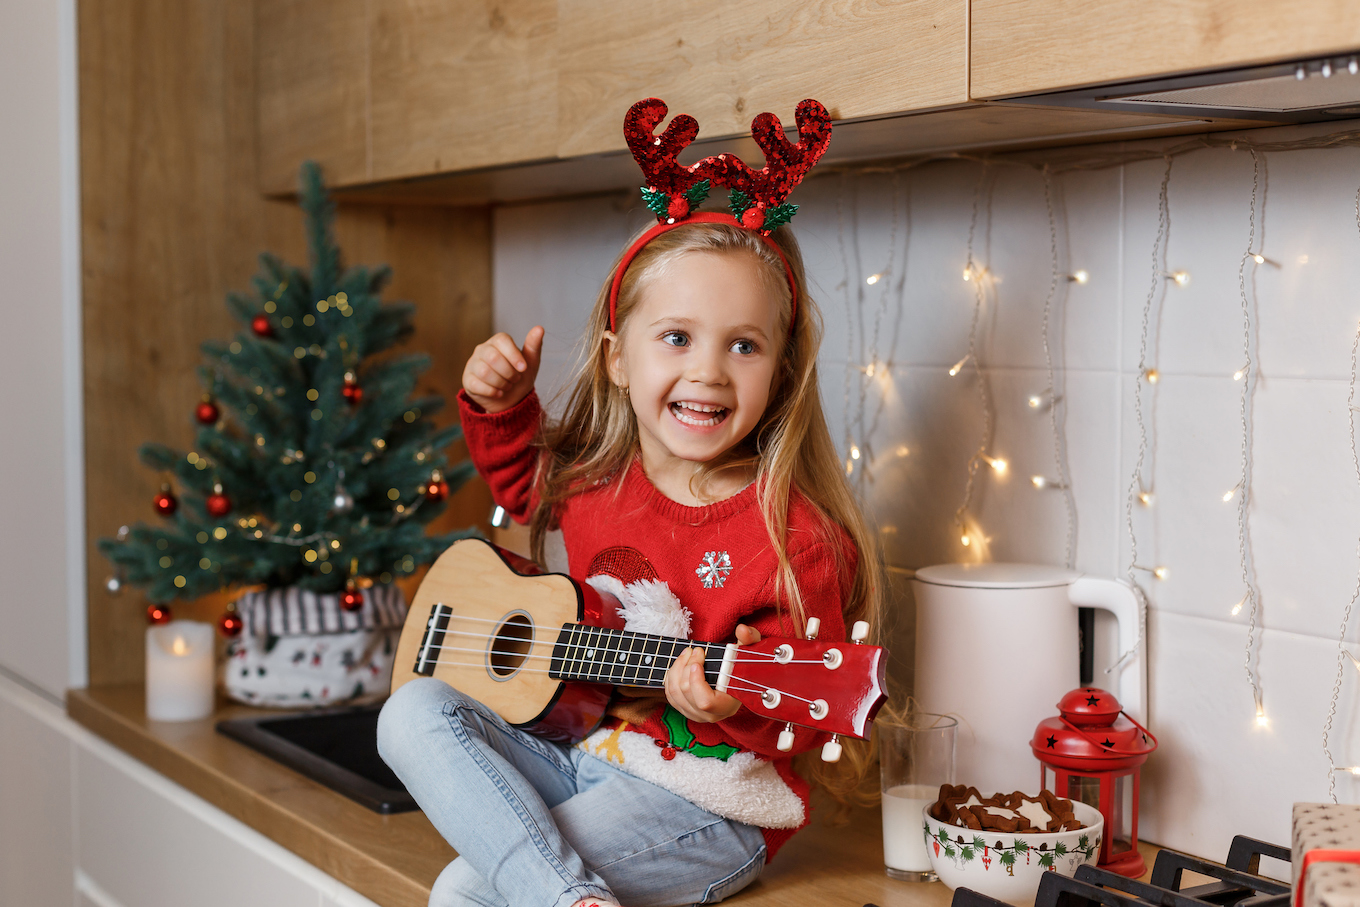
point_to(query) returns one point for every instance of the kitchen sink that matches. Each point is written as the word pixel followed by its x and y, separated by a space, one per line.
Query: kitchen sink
pixel 334 747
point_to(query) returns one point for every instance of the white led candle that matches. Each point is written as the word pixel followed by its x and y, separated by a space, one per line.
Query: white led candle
pixel 179 671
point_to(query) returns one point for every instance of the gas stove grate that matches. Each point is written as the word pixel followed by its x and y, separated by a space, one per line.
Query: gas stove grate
pixel 1237 883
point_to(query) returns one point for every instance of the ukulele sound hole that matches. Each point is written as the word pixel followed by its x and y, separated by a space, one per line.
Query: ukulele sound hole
pixel 510 646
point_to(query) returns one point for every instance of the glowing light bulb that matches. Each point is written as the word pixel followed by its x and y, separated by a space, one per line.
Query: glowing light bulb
pixel 1039 481
pixel 1079 277
pixel 958 366
pixel 179 646
pixel 1326 69
pixel 1300 73
pixel 902 450
pixel 873 279
pixel 1231 492
pixel 1161 572
pixel 1354 769
pixel 854 452
pixel 1237 608
pixel 1035 401
pixel 1261 719
pixel 1181 278
pixel 869 370
pixel 1145 498
pixel 967 272
pixel 849 466
pixel 965 540
pixel 1239 374
pixel 1152 376
pixel 998 465
pixel 1259 258
pixel 1353 66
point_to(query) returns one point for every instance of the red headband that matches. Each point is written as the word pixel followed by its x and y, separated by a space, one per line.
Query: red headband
pixel 757 199
pixel 699 217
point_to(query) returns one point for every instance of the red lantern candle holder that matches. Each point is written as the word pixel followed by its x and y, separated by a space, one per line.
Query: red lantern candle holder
pixel 1094 752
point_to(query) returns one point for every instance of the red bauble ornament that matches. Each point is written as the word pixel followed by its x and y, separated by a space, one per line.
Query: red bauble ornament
pixel 351 391
pixel 678 208
pixel 218 504
pixel 158 614
pixel 165 503
pixel 230 624
pixel 261 325
pixel 207 413
pixel 436 489
pixel 753 218
pixel 352 600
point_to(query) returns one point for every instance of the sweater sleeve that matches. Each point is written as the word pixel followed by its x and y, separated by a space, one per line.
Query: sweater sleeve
pixel 501 446
pixel 824 580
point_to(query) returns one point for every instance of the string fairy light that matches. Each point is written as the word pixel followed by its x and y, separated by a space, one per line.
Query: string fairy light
pixel 1243 488
pixel 1342 653
pixel 962 516
pixel 1056 421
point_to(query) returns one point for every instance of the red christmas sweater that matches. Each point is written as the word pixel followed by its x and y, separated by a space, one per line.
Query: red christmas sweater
pixel 718 561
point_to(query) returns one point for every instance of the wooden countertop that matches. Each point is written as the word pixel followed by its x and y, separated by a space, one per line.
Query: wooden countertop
pixel 394 860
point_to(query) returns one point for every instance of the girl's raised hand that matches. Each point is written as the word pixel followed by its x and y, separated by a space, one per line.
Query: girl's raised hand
pixel 688 690
pixel 499 374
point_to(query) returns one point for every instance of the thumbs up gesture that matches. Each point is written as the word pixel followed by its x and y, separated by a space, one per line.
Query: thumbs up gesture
pixel 499 373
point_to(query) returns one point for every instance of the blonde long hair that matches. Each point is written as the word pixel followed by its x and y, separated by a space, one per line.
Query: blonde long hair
pixel 790 447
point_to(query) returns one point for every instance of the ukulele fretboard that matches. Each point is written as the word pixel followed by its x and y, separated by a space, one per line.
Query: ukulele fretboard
pixel 623 658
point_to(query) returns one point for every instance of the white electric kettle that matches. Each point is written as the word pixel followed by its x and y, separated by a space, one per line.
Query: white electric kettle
pixel 997 646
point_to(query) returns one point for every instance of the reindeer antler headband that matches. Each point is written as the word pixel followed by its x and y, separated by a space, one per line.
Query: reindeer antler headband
pixel 756 197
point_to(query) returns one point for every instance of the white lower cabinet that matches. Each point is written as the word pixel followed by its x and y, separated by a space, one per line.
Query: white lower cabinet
pixel 83 823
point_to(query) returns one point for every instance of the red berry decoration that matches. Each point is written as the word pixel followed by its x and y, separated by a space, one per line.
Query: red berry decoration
pixel 207 412
pixel 678 208
pixel 218 504
pixel 262 327
pixel 165 503
pixel 753 218
pixel 437 489
pixel 158 614
pixel 352 599
pixel 351 391
pixel 230 625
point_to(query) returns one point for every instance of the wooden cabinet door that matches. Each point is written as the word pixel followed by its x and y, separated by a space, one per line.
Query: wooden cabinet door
pixel 725 62
pixel 1022 47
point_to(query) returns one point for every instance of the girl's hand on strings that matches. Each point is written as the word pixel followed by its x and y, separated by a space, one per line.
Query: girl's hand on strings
pixel 499 374
pixel 688 690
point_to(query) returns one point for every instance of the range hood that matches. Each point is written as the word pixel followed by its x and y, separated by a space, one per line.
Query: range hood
pixel 1308 91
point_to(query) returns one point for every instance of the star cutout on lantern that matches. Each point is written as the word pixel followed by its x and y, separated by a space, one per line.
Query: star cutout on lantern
pixel 1052 742
pixel 1107 742
pixel 1092 700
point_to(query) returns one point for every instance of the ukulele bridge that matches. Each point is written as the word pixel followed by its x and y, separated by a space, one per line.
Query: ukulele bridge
pixel 427 656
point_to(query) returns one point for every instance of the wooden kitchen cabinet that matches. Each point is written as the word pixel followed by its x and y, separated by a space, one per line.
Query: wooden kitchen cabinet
pixel 1023 47
pixel 725 62
pixel 393 89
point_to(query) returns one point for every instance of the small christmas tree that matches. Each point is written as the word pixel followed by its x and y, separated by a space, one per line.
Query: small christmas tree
pixel 314 465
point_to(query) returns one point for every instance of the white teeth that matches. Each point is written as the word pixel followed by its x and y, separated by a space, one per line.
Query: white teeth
pixel 682 410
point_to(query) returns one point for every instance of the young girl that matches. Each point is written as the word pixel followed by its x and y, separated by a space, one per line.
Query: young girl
pixel 693 477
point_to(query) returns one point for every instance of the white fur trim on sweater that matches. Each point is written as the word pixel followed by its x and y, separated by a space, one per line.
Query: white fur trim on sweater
pixel 745 788
pixel 646 606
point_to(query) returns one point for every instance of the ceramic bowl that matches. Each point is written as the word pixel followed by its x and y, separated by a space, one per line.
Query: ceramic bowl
pixel 1008 867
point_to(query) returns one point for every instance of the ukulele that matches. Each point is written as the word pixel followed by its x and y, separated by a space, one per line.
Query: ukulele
pixel 497 628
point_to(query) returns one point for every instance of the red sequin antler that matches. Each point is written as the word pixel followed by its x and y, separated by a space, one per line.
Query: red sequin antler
pixel 757 196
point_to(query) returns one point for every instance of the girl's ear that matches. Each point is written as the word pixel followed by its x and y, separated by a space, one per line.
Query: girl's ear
pixel 613 358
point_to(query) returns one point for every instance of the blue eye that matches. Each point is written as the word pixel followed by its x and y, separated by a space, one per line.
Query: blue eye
pixel 744 347
pixel 675 338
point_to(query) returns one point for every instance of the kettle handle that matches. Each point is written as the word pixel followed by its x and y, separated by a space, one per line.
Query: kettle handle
pixel 1119 599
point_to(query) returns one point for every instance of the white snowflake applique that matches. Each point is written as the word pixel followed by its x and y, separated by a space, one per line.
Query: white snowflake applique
pixel 714 569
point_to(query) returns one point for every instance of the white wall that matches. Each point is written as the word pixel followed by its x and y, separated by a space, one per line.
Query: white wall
pixel 1218 772
pixel 42 555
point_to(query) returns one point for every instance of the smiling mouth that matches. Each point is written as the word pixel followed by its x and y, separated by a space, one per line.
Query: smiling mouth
pixel 700 415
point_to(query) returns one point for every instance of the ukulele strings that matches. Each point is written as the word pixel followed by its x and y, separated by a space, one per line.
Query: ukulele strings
pixel 761 657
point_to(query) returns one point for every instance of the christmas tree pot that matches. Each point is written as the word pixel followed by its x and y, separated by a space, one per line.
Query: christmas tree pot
pixel 299 648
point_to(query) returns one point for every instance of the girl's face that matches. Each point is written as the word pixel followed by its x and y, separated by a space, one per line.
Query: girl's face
pixel 698 355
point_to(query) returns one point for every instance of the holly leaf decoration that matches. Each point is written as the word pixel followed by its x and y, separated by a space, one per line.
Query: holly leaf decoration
pixel 738 202
pixel 779 215
pixel 657 202
pixel 698 193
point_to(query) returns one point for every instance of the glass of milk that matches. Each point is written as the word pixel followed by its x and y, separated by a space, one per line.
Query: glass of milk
pixel 916 759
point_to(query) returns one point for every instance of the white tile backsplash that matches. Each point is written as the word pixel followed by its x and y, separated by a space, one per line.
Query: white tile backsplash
pixel 1217 773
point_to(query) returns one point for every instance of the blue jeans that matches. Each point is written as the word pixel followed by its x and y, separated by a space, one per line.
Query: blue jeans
pixel 537 824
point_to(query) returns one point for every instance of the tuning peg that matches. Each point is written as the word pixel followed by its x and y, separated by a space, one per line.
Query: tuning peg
pixel 813 625
pixel 860 631
pixel 831 750
pixel 785 739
